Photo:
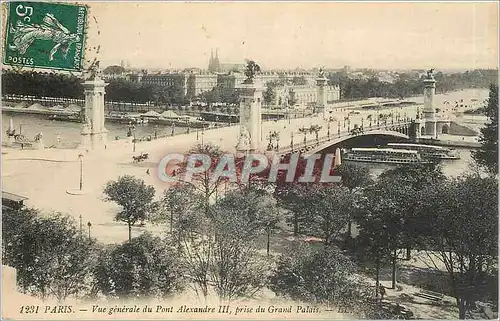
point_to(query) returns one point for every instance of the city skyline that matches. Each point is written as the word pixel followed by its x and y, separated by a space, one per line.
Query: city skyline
pixel 297 35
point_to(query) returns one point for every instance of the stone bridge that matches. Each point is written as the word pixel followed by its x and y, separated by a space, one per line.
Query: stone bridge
pixel 401 130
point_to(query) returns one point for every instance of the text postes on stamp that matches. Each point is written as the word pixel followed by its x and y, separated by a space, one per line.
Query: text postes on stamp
pixel 45 35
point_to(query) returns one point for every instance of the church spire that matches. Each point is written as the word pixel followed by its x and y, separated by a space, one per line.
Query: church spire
pixel 211 61
pixel 216 61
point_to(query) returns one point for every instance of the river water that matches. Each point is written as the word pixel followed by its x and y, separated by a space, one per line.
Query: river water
pixel 69 132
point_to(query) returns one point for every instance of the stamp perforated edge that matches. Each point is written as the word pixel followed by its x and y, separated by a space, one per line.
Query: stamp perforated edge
pixel 5 13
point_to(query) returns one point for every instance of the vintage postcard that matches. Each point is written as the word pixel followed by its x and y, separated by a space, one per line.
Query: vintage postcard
pixel 249 160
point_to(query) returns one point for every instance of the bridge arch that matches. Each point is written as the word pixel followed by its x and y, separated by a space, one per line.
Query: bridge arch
pixel 325 144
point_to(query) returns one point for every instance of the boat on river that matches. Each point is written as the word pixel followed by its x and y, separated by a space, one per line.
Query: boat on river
pixel 125 118
pixel 427 151
pixel 384 155
pixel 70 118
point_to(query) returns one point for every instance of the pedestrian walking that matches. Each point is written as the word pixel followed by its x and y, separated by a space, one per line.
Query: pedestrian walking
pixel 147 171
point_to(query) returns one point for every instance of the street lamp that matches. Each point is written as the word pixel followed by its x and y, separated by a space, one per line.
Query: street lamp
pixel 80 157
pixel 89 225
pixel 133 131
pixel 156 131
pixel 291 141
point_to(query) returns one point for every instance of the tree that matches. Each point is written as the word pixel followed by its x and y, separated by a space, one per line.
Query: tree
pixel 203 181
pixel 327 210
pixel 251 70
pixel 319 275
pixel 269 95
pixel 51 256
pixel 487 155
pixel 177 201
pixel 354 177
pixel 459 224
pixel 236 267
pixel 143 267
pixel 113 70
pixel 292 193
pixel 315 129
pixel 135 198
pixel 219 252
pixel 387 217
pixel 255 209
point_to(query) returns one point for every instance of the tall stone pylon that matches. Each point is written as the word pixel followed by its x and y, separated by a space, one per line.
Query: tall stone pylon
pixel 94 134
pixel 250 136
pixel 429 111
pixel 321 82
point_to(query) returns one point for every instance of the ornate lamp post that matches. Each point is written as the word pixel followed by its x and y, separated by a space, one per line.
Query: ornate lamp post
pixel 89 226
pixel 133 131
pixel 80 157
pixel 291 141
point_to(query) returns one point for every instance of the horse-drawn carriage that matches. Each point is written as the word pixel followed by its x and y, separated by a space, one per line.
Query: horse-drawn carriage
pixel 140 158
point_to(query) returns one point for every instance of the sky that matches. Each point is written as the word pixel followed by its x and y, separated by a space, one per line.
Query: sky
pixel 297 35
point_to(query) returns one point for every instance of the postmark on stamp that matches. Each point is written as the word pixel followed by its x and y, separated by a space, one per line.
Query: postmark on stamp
pixel 45 35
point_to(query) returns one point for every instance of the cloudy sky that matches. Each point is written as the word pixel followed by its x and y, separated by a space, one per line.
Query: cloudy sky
pixel 289 35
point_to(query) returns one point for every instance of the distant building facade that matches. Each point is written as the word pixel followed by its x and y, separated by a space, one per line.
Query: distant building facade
pixel 302 95
pixel 186 83
pixel 199 83
pixel 228 84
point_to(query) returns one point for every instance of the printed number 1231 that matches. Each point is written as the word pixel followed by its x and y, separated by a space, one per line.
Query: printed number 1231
pixel 29 309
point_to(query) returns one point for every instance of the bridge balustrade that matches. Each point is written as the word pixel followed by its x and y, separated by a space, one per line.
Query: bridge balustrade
pixel 309 144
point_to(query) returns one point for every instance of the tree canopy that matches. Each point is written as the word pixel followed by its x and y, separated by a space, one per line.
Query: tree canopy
pixel 487 155
pixel 135 198
pixel 144 267
pixel 52 257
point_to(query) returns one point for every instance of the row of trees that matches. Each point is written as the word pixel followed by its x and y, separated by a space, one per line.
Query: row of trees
pixel 68 86
pixel 43 84
pixel 214 247
pixel 407 85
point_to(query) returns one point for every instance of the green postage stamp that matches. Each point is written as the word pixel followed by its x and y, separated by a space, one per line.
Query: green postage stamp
pixel 45 35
